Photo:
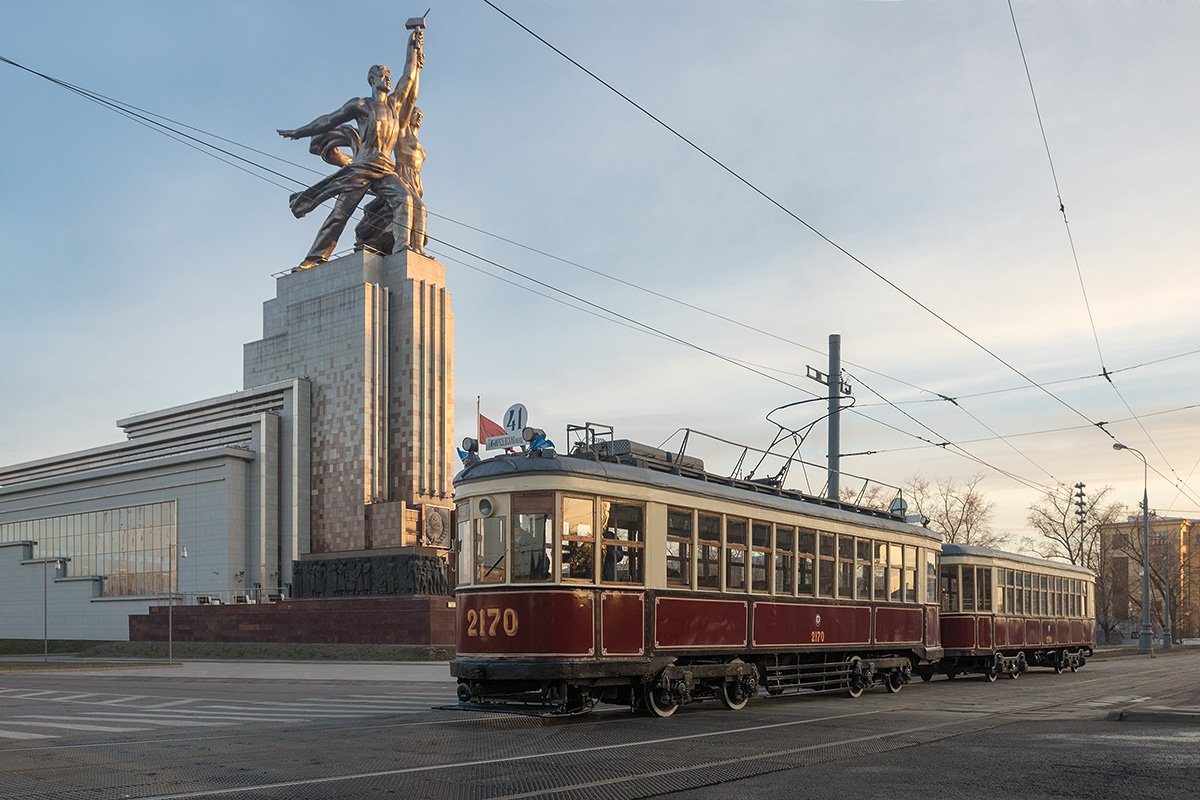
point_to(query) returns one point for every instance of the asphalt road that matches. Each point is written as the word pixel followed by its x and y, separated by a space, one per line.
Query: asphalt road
pixel 271 730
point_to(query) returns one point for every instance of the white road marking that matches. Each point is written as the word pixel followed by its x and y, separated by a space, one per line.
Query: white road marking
pixel 74 726
pixel 155 720
pixel 24 735
pixel 124 699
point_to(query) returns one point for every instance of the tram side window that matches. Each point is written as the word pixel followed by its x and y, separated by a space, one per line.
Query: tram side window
pixel 578 539
pixel 1084 600
pixel 533 537
pixel 679 547
pixel 1058 597
pixel 623 543
pixel 1075 598
pixel 931 576
pixel 881 570
pixel 862 569
pixel 983 586
pixel 1045 586
pixel 735 554
pixel 785 560
pixel 1010 600
pixel 845 587
pixel 825 564
pixel 968 588
pixel 489 550
pixel 949 588
pixel 708 552
pixel 910 574
pixel 1027 580
pixel 806 563
pixel 895 573
pixel 760 557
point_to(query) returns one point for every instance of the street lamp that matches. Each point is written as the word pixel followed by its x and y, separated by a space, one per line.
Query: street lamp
pixel 171 573
pixel 1144 639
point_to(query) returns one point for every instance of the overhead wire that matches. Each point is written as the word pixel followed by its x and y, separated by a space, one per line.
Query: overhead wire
pixel 1178 482
pixel 796 217
pixel 147 119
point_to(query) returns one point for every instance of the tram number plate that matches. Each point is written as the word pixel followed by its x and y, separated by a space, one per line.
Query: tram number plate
pixel 492 621
pixel 818 636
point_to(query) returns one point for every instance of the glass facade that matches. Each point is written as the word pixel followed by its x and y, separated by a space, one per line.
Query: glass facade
pixel 132 548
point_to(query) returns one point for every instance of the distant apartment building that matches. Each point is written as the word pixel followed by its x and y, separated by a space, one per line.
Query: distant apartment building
pixel 1174 562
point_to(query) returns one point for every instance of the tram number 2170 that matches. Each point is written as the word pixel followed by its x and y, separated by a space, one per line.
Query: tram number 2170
pixel 491 622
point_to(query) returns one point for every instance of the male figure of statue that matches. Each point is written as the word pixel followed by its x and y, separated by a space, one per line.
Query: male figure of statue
pixel 380 119
pixel 378 215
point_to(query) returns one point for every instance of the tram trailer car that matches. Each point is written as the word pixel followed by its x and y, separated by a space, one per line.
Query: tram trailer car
pixel 624 574
pixel 1004 612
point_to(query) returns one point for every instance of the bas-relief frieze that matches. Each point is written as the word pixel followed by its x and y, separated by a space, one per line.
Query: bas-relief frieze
pixel 371 576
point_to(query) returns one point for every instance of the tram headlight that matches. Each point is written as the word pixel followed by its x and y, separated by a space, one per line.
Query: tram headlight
pixel 485 507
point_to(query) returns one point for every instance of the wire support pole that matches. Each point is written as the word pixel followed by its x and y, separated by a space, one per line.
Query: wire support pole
pixel 835 424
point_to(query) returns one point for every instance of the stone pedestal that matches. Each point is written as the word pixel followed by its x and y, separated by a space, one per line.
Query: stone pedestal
pixel 374 336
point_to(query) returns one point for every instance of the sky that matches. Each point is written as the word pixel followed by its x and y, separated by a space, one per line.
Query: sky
pixel 922 221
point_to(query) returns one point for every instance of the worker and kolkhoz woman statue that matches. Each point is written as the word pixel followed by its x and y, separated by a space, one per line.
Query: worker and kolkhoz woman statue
pixel 385 161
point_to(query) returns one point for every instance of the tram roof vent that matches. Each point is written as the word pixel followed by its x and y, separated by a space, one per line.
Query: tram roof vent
pixel 627 451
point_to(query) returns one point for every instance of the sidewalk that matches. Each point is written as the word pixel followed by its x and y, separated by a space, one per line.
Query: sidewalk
pixel 1179 708
pixel 326 671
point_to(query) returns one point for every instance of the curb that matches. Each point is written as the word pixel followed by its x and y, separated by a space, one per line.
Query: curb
pixel 1155 715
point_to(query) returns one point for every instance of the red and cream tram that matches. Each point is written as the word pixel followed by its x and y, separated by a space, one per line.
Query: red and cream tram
pixel 1003 612
pixel 625 574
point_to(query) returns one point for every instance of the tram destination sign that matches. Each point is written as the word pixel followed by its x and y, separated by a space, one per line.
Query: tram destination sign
pixel 504 442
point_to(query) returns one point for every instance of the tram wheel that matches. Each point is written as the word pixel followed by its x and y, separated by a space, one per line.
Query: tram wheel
pixel 656 706
pixel 951 675
pixel 926 676
pixel 1016 673
pixel 894 681
pixel 991 675
pixel 1075 664
pixel 733 694
pixel 1060 663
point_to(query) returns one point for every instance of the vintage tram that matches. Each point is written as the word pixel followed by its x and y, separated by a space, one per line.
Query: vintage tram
pixel 626 574
pixel 1004 612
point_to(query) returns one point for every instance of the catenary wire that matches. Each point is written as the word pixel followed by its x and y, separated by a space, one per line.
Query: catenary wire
pixel 144 119
pixel 1075 256
pixel 770 199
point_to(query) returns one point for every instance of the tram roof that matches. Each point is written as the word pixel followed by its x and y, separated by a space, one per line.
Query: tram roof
pixel 968 550
pixel 712 486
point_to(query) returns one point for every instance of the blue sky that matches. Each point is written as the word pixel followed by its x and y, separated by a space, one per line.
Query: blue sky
pixel 134 268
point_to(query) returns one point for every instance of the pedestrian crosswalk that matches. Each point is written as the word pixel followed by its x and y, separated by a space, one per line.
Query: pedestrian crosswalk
pixel 28 715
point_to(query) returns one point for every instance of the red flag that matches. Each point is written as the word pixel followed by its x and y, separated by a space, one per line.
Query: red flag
pixel 488 429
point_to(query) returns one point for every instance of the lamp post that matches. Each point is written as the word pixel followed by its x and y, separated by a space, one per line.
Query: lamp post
pixel 171 573
pixel 1144 638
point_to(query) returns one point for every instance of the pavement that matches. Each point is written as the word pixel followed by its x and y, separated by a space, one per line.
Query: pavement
pixel 1181 707
pixel 325 671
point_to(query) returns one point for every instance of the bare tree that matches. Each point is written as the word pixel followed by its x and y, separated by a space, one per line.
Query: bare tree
pixel 1063 536
pixel 959 511
pixel 1053 516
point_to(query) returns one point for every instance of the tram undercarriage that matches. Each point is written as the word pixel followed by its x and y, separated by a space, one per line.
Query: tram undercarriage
pixel 661 685
pixel 1011 663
